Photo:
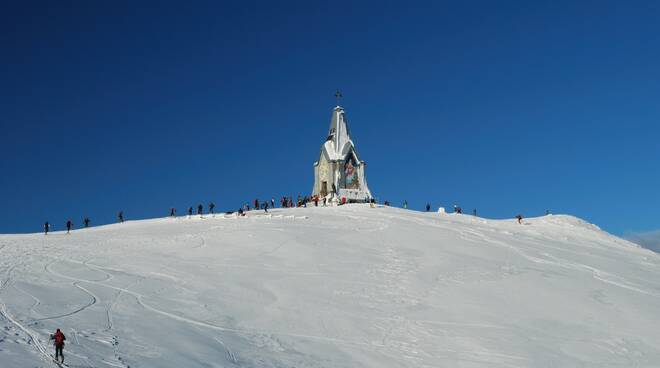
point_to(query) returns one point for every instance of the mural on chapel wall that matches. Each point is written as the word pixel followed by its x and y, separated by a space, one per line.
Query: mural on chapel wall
pixel 351 180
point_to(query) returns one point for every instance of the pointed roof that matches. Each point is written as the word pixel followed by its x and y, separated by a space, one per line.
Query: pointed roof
pixel 338 135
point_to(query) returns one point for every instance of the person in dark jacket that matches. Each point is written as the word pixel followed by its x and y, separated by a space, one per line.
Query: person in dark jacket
pixel 120 216
pixel 46 228
pixel 200 210
pixel 189 211
pixel 58 338
pixel 69 225
pixel 172 212
pixel 519 218
pixel 428 207
pixel 86 221
pixel 211 207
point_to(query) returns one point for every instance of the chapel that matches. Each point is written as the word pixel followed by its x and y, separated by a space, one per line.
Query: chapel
pixel 339 171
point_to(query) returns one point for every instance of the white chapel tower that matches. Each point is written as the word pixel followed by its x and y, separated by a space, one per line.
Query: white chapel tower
pixel 339 171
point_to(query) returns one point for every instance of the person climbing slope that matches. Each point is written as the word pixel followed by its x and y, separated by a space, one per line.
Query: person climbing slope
pixel 58 338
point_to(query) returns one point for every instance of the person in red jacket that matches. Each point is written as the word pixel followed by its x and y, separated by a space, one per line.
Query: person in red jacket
pixel 59 344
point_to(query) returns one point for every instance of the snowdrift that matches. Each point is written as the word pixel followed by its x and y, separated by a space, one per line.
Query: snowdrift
pixel 351 286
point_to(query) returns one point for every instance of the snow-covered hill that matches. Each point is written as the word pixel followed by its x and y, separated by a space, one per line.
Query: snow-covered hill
pixel 331 287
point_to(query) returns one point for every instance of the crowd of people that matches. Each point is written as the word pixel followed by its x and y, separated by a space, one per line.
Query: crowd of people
pixel 284 202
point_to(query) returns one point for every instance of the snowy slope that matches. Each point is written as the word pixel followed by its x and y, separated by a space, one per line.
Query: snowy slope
pixel 331 287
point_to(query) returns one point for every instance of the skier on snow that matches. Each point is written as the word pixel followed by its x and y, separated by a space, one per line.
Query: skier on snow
pixel 86 221
pixel 428 207
pixel 46 228
pixel 200 210
pixel 211 207
pixel 519 217
pixel 69 224
pixel 59 344
pixel 189 211
pixel 120 216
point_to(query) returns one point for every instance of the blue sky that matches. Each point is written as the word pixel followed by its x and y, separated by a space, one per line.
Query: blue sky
pixel 507 107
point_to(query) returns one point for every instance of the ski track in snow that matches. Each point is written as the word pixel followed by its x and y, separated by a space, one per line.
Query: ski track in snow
pixel 248 332
pixel 36 300
pixel 33 336
pixel 555 261
pixel 230 355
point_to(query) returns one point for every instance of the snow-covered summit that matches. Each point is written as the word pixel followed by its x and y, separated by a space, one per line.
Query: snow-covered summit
pixel 350 286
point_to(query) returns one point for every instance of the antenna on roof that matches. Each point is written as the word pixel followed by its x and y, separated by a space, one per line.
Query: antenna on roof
pixel 338 95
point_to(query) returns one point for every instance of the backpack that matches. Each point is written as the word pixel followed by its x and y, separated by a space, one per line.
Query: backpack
pixel 59 338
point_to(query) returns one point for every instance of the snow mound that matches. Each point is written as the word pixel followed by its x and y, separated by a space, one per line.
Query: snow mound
pixel 351 286
pixel 567 220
